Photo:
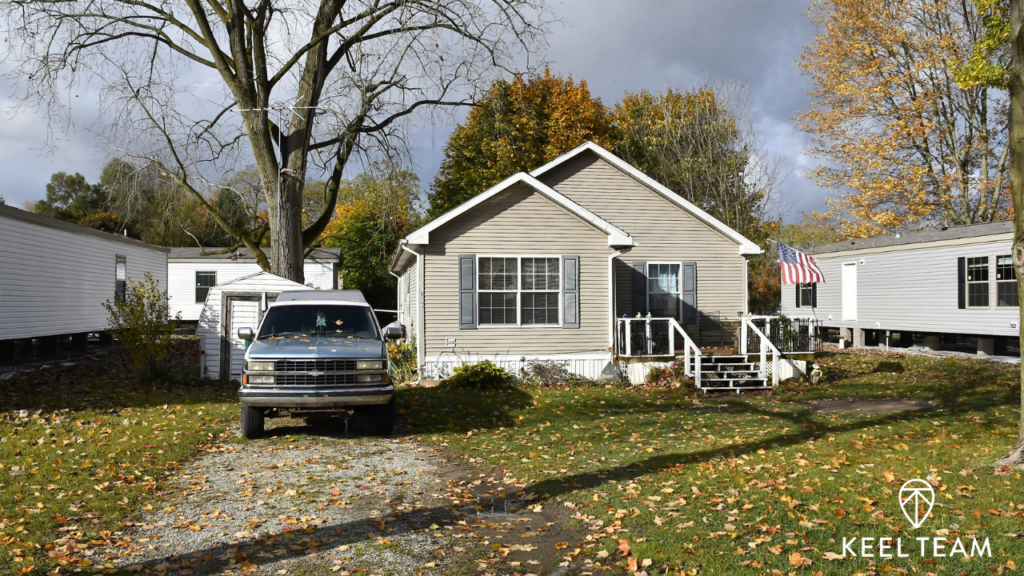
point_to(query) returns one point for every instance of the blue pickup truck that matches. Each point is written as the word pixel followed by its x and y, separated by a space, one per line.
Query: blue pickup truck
pixel 317 352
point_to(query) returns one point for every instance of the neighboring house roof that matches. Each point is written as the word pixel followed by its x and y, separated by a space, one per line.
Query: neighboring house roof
pixel 616 237
pixel 33 218
pixel 925 236
pixel 746 246
pixel 189 253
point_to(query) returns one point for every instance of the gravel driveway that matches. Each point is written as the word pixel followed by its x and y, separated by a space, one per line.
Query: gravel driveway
pixel 310 500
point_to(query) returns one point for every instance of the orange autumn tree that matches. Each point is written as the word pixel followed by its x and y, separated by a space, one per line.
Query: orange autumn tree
pixel 521 124
pixel 904 144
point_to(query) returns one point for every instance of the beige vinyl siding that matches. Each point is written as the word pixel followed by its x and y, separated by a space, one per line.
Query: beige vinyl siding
pixel 663 231
pixel 54 281
pixel 914 289
pixel 409 299
pixel 518 222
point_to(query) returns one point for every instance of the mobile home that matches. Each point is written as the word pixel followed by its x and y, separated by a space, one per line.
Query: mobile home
pixel 937 283
pixel 55 277
pixel 192 272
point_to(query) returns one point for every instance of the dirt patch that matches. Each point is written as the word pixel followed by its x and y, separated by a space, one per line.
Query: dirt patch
pixel 866 405
pixel 310 500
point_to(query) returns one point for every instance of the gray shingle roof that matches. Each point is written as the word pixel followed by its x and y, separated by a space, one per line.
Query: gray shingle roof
pixel 317 255
pixel 918 237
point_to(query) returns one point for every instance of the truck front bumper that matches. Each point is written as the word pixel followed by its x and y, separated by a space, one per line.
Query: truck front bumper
pixel 303 397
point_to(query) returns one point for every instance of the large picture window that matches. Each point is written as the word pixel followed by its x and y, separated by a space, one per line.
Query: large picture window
pixel 518 290
pixel 1006 281
pixel 977 282
pixel 663 290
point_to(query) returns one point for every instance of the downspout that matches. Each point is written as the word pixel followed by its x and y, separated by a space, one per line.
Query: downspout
pixel 419 307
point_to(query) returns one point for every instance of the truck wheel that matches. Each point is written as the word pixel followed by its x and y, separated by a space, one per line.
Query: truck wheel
pixel 384 418
pixel 252 422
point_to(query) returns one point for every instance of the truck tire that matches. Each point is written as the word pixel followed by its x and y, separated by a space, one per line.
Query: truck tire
pixel 384 418
pixel 252 422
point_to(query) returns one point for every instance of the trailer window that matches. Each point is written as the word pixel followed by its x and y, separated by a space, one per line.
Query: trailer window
pixel 120 277
pixel 204 281
pixel 977 282
pixel 1006 281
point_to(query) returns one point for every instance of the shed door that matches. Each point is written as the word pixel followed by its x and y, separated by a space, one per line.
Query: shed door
pixel 240 313
pixel 850 291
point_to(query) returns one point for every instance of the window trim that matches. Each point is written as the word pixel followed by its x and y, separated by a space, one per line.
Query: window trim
pixel 647 288
pixel 197 286
pixel 995 263
pixel 967 283
pixel 519 290
pixel 120 285
pixel 800 293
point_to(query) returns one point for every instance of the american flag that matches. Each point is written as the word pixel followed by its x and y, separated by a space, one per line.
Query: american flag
pixel 798 268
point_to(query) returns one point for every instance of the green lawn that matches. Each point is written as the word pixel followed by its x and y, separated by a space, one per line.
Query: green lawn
pixel 82 447
pixel 757 484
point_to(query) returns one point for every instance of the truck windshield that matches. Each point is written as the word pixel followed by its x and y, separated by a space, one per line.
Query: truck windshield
pixel 303 321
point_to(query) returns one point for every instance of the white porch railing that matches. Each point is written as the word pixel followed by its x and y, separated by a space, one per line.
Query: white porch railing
pixel 652 337
pixel 748 328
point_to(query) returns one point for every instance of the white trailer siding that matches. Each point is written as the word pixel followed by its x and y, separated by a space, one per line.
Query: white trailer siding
pixel 182 280
pixel 55 276
pixel 217 335
pixel 910 288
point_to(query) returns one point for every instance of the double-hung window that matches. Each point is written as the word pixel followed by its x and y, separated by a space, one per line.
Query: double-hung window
pixel 663 290
pixel 204 281
pixel 977 282
pixel 1006 281
pixel 518 290
pixel 806 294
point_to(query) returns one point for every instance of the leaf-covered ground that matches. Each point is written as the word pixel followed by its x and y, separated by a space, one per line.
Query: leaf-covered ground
pixel 666 482
pixel 83 445
pixel 610 480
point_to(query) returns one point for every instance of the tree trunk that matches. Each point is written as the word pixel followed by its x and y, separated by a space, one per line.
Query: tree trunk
pixel 1016 172
pixel 286 224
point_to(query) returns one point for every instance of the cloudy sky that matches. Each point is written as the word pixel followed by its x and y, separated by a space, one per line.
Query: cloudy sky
pixel 615 45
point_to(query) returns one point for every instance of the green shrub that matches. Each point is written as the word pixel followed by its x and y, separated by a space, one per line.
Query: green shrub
pixel 142 322
pixel 403 361
pixel 480 376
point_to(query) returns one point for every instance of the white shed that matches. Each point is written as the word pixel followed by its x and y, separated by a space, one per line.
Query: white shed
pixel 191 273
pixel 55 276
pixel 239 303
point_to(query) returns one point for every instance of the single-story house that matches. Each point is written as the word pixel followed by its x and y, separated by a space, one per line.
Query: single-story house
pixel 546 265
pixel 955 281
pixel 193 271
pixel 55 277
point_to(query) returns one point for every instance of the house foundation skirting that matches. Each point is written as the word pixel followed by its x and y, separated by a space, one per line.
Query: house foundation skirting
pixel 593 365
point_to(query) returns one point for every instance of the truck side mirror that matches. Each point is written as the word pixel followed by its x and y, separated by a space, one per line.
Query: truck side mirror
pixel 245 333
pixel 393 331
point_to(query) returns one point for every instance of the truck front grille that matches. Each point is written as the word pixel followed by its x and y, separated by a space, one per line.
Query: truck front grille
pixel 324 365
pixel 307 380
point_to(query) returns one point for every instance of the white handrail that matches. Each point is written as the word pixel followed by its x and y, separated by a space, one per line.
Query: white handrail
pixel 690 348
pixel 766 346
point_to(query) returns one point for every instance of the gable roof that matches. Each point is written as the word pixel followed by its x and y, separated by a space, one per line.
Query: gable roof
pixel 925 236
pixel 745 245
pixel 616 237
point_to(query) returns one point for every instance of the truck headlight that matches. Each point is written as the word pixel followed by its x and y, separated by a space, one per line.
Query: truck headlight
pixel 260 379
pixel 260 366
pixel 369 365
pixel 370 377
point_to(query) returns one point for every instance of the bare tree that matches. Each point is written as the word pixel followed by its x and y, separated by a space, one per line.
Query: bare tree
pixel 200 87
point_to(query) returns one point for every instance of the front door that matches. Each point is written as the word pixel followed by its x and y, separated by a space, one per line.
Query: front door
pixel 850 291
pixel 240 312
